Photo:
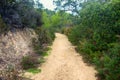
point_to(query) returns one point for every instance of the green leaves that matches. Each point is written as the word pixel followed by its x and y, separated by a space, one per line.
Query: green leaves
pixel 95 36
pixel 68 5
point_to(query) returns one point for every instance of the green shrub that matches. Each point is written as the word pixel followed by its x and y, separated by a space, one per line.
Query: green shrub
pixel 45 38
pixel 34 70
pixel 44 35
pixel 95 37
pixel 108 65
pixel 66 30
pixel 29 62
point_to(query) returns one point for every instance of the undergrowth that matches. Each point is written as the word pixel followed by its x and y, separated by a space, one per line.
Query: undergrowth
pixel 97 37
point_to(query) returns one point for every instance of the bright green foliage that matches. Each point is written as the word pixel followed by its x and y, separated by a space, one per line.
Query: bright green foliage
pixel 56 21
pixel 46 19
pixel 34 70
pixel 97 36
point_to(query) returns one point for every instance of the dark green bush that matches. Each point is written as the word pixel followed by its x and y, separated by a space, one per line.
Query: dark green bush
pixel 29 62
pixel 97 37
pixel 44 39
pixel 108 64
pixel 20 13
pixel 44 35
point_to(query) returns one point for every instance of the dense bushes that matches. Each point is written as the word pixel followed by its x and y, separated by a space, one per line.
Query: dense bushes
pixel 44 39
pixel 97 37
pixel 29 62
pixel 53 20
pixel 20 13
pixel 108 65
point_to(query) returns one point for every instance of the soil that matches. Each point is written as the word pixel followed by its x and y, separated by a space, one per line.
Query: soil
pixel 64 63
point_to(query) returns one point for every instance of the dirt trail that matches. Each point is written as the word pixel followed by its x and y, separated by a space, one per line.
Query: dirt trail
pixel 64 63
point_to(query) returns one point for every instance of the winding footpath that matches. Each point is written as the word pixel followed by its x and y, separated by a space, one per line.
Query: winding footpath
pixel 64 63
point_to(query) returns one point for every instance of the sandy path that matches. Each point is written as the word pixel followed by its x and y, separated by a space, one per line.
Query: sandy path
pixel 64 63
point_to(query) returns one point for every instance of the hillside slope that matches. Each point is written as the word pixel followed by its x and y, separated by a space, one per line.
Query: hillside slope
pixel 14 45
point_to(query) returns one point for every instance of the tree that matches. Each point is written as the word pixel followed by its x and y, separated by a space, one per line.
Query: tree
pixel 97 36
pixel 68 5
pixel 20 13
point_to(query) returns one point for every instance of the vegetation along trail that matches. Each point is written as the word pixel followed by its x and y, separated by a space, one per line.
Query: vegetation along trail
pixel 64 63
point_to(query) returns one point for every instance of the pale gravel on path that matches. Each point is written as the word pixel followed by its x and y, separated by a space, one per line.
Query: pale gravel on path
pixel 64 63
